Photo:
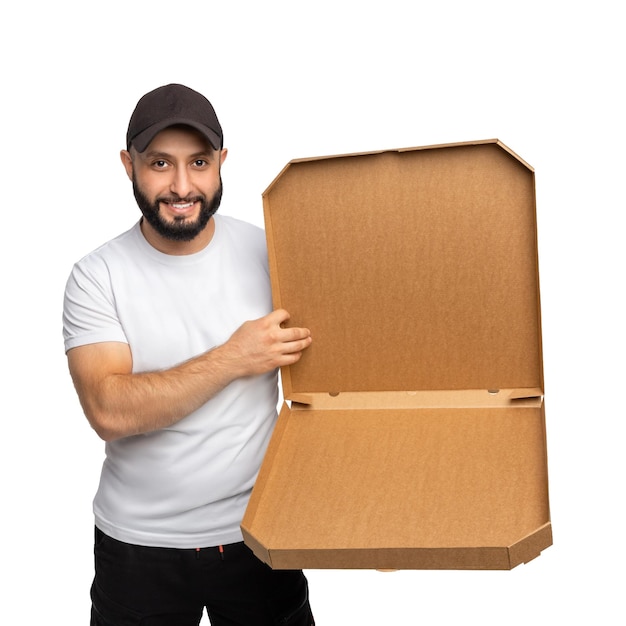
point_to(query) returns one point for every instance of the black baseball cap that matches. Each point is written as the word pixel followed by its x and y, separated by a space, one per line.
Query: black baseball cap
pixel 168 106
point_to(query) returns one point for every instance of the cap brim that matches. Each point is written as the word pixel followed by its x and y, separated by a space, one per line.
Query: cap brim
pixel 142 140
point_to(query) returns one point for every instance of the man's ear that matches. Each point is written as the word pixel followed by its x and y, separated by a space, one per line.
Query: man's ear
pixel 223 155
pixel 127 162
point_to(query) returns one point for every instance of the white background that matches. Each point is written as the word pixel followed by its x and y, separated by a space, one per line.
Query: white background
pixel 295 79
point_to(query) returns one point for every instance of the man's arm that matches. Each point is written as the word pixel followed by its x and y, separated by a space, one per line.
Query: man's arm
pixel 118 403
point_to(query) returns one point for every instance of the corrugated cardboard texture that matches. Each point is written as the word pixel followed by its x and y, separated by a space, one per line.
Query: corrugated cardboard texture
pixel 414 269
pixel 416 433
pixel 427 488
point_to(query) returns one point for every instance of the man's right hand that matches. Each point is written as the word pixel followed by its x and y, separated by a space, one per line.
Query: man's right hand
pixel 261 345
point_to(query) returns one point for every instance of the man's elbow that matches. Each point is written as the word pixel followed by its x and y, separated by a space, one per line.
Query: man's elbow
pixel 105 425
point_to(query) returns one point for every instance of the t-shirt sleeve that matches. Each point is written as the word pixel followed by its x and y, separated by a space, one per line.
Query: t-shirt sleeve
pixel 89 311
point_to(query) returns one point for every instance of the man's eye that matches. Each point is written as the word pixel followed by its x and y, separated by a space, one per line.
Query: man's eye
pixel 199 162
pixel 159 164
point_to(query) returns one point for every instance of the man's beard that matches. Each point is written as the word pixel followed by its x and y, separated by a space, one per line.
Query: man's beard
pixel 181 229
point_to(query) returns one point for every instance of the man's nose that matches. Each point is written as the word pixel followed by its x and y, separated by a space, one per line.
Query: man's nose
pixel 181 183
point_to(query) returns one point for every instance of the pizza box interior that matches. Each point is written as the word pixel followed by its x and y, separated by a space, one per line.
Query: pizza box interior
pixel 412 435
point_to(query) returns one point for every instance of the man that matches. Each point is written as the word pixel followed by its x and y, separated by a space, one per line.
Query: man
pixel 173 348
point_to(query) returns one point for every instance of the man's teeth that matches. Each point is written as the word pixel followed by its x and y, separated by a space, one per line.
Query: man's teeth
pixel 182 206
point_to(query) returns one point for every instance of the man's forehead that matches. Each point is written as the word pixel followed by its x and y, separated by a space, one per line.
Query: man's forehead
pixel 177 134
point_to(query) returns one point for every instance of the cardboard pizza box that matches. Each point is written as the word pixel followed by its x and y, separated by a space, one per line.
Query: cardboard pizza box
pixel 412 435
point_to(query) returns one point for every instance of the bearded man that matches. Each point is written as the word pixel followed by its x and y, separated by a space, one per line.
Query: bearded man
pixel 173 348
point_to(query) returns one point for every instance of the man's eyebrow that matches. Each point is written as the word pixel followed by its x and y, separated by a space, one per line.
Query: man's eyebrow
pixel 157 154
pixel 209 155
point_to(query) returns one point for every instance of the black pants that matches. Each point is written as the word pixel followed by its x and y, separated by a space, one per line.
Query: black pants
pixel 137 585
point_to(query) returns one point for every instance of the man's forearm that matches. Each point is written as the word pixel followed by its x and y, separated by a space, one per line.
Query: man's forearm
pixel 131 404
pixel 119 403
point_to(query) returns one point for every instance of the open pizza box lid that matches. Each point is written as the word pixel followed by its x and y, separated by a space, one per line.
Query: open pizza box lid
pixel 413 430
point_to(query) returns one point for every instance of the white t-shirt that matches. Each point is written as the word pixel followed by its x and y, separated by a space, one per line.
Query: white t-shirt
pixel 187 485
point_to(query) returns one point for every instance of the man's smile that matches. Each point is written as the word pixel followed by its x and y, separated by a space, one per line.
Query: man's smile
pixel 180 207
